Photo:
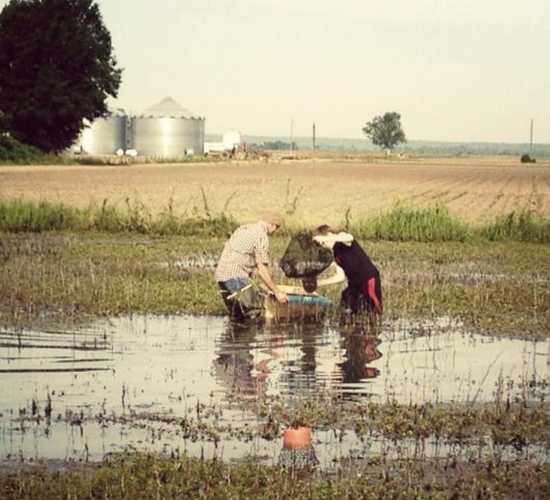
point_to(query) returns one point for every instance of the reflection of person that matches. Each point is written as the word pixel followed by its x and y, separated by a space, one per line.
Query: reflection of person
pixel 360 350
pixel 247 253
pixel 235 367
pixel 297 449
pixel 364 290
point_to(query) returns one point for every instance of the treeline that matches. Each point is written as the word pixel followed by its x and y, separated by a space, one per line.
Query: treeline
pixel 413 147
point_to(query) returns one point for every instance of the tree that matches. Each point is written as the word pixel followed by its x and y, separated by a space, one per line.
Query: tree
pixel 385 131
pixel 56 68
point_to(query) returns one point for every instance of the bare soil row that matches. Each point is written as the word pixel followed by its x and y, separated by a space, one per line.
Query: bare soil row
pixel 475 189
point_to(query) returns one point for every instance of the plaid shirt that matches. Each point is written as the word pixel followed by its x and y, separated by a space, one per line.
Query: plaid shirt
pixel 247 247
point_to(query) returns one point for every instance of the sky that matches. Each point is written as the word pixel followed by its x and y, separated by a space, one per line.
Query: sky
pixel 456 70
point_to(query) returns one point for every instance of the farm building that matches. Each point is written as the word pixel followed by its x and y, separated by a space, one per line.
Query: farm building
pixel 105 135
pixel 166 129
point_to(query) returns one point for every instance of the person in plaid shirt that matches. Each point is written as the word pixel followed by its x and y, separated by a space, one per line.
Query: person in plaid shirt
pixel 244 255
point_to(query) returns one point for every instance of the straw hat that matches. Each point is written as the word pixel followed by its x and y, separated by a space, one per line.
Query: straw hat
pixel 273 218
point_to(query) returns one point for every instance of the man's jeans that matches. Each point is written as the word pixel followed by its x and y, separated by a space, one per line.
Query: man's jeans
pixel 235 284
pixel 235 308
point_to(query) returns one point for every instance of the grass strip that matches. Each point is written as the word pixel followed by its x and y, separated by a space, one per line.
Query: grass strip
pixel 401 223
pixel 35 217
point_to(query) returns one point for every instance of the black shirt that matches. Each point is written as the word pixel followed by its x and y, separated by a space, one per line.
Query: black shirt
pixel 355 262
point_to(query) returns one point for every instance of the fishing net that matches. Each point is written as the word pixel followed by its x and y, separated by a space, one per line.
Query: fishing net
pixel 304 257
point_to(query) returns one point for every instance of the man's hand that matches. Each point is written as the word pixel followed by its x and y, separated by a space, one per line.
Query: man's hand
pixel 263 272
pixel 281 297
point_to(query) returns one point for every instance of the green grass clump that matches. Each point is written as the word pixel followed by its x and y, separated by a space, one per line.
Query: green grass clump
pixel 412 224
pixel 26 216
pixel 429 224
pixel 519 226
pixel 36 217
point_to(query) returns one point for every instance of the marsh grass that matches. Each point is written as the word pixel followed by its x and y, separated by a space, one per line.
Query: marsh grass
pixel 519 226
pixel 76 274
pixel 26 216
pixel 429 224
pixel 35 217
pixel 152 477
pixel 403 223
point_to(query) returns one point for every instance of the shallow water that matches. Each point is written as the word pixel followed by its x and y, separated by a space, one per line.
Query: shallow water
pixel 119 384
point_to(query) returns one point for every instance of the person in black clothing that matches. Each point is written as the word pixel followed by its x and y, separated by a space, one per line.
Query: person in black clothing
pixel 364 290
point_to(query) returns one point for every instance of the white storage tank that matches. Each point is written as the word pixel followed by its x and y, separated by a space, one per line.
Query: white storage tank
pixel 105 135
pixel 167 129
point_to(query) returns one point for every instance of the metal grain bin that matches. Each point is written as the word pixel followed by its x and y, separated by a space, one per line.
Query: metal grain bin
pixel 105 135
pixel 168 129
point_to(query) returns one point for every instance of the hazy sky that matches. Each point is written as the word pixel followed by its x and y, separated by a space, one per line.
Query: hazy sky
pixel 460 70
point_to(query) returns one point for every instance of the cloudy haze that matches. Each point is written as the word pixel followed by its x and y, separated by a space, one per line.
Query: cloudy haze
pixel 459 71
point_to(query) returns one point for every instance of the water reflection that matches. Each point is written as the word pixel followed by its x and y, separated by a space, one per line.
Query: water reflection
pixel 133 381
pixel 362 348
pixel 297 361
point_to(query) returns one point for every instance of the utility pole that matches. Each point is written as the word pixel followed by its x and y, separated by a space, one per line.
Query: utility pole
pixel 314 136
pixel 531 139
pixel 291 135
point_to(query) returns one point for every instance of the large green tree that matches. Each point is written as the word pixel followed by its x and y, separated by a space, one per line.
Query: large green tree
pixel 385 131
pixel 56 68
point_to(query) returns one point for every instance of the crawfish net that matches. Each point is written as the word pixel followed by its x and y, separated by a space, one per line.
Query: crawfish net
pixel 304 257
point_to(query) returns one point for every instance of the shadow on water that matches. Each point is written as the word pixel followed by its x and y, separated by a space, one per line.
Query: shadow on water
pixel 149 383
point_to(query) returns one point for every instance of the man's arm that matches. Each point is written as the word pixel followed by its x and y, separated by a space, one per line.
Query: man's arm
pixel 263 272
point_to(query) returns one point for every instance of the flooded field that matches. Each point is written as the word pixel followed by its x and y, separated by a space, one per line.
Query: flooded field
pixel 196 386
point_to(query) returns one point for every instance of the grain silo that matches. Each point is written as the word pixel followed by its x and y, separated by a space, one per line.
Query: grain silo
pixel 167 129
pixel 105 135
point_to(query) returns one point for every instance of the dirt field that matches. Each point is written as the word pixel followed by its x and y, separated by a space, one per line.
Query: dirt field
pixel 309 191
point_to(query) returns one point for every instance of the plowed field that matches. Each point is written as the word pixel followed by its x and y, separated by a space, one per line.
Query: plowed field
pixel 475 189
